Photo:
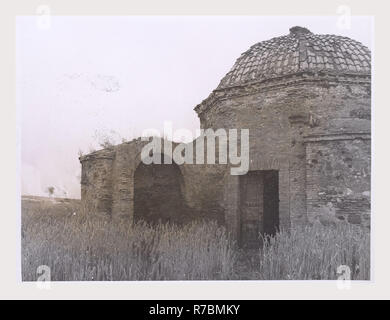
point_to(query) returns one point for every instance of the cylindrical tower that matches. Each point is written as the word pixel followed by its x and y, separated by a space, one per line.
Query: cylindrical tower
pixel 97 181
pixel 306 101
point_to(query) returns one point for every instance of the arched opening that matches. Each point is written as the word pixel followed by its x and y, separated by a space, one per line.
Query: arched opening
pixel 157 193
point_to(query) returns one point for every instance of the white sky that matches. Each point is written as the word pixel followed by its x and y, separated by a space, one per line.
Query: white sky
pixel 84 77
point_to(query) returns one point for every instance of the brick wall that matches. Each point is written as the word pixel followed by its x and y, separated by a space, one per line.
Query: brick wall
pixel 314 130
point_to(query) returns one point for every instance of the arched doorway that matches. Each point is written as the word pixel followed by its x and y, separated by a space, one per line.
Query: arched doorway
pixel 157 193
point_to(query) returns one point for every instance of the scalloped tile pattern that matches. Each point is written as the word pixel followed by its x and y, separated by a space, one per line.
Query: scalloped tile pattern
pixel 301 50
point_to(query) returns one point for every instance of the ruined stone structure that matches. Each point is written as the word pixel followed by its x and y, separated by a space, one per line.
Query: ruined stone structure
pixel 305 99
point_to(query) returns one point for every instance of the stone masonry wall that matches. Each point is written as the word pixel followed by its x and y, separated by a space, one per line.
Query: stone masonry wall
pixel 280 117
pixel 291 122
pixel 97 181
pixel 338 179
pixel 108 183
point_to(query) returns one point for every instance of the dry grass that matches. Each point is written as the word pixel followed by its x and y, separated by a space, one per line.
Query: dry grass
pixel 315 252
pixel 76 247
pixel 98 249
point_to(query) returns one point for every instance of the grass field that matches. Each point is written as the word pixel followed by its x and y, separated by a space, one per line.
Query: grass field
pixel 79 247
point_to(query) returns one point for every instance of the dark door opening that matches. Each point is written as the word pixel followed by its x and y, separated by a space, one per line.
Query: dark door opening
pixel 157 193
pixel 259 206
pixel 271 202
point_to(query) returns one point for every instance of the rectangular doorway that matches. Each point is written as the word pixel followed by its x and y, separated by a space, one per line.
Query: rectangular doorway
pixel 259 206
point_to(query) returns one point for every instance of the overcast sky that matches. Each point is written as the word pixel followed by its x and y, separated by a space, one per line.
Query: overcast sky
pixel 84 78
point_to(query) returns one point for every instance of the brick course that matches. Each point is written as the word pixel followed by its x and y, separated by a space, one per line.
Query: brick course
pixel 306 100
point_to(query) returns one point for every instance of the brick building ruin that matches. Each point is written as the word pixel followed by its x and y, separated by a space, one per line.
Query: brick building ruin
pixel 306 100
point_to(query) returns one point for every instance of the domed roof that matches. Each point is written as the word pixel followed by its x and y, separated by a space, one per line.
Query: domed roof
pixel 299 51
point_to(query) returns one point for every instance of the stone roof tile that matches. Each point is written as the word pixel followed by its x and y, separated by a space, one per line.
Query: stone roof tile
pixel 301 50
